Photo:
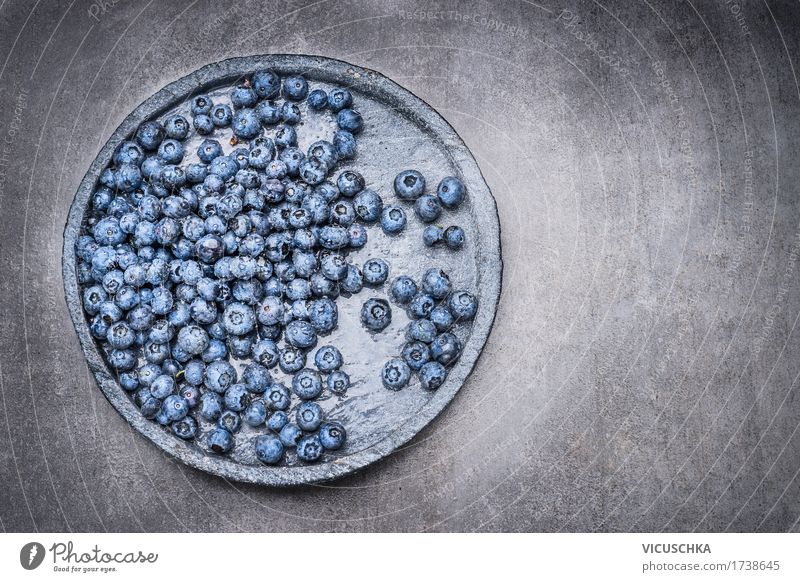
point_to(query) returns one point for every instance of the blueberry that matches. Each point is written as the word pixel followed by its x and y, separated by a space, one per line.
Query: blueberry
pixel 432 375
pixel 237 397
pixel 462 305
pixel 191 395
pixel 427 208
pixel 291 360
pixel 441 318
pixel 266 83
pixel 269 449
pixel 277 420
pixel 208 150
pixel 256 413
pixel 339 99
pixel 230 421
pixel 243 96
pixel 403 289
pixel 451 192
pixel 129 381
pixel 290 434
pixel 358 235
pixel 170 151
pixel 309 448
pixel 120 336
pixel 295 88
pixel 338 382
pixel 193 339
pixel 454 237
pixel 186 428
pixel 209 248
pixel 150 134
pixel 432 235
pixel 376 271
pixel 393 219
pixel 176 127
pixel 343 213
pixel 301 334
pixel 150 407
pixel 201 104
pixel 317 100
pixel 445 348
pixel 265 352
pixel 334 267
pixel 333 237
pixel 203 124
pixel 368 205
pixel 376 314
pixel 220 441
pixel 308 416
pixel 210 406
pixel 436 283
pixel 313 170
pixel 162 386
pixel 290 113
pixel 324 151
pixel 128 153
pixel 277 397
pixel 409 185
pixel 421 305
pixel 350 120
pixel 328 359
pixel 395 374
pixel 216 350
pixel 421 330
pixel 219 376
pixel 270 311
pixel 245 124
pixel 285 136
pixel 332 435
pixel 307 384
pixel 129 177
pixel 256 377
pixel 238 319
pixel 416 355
pixel 175 407
pixel 345 144
pixel 353 281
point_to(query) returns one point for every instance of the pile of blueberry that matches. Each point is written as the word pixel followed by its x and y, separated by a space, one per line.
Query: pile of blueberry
pixel 202 271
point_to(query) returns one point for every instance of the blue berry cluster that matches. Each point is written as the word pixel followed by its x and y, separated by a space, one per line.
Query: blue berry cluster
pixel 435 309
pixel 203 271
pixel 409 185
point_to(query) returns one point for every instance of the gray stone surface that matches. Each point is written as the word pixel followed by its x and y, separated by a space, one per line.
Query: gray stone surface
pixel 642 370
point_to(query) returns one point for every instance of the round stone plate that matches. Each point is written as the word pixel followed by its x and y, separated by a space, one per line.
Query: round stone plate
pixel 400 131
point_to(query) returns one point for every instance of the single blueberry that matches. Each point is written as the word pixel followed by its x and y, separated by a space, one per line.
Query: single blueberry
pixel 432 375
pixel 393 219
pixel 328 358
pixel 186 428
pixel 295 88
pixel 427 208
pixel 409 185
pixel 376 271
pixel 350 120
pixel 416 355
pixel 210 406
pixel 376 314
pixel 332 435
pixel 368 205
pixel 462 305
pixel 454 237
pixel 317 100
pixel 445 348
pixel 436 283
pixel 220 441
pixel 395 374
pixel 309 448
pixel 290 434
pixel 403 289
pixel 256 413
pixel 277 397
pixel 338 382
pixel 269 449
pixel 421 330
pixel 308 416
pixel 451 192
pixel 307 384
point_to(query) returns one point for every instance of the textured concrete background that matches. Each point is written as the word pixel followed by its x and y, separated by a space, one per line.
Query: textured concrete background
pixel 642 372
